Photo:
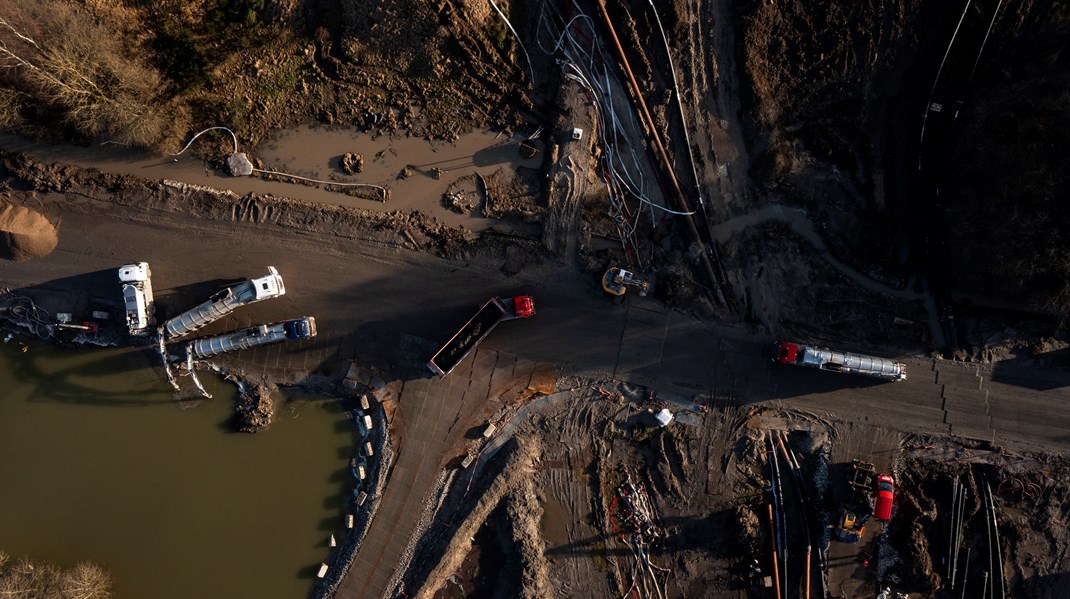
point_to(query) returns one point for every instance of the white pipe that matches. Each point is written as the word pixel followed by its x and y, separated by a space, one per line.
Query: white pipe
pixel 232 136
pixel 531 71
pixel 679 104
pixel 381 189
pixel 925 116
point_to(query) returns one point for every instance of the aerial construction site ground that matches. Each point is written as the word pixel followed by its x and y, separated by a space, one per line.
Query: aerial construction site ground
pixel 876 177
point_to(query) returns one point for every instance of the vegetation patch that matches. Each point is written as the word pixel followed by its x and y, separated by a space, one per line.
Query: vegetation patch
pixel 25 578
pixel 61 57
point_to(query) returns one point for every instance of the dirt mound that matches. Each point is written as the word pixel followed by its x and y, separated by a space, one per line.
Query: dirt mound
pixel 25 234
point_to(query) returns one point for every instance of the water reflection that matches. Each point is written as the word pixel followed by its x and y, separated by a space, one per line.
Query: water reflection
pixel 172 506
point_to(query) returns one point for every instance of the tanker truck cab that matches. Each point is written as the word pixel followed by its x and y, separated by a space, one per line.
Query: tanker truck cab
pixel 136 280
pixel 270 286
pixel 300 328
pixel 785 353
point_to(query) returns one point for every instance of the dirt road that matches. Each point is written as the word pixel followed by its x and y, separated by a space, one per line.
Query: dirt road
pixel 357 281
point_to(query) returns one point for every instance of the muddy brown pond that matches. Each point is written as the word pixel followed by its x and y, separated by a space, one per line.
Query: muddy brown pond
pixel 99 463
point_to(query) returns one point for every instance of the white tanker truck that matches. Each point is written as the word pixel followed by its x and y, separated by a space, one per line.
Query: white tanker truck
pixel 838 361
pixel 223 303
pixel 264 334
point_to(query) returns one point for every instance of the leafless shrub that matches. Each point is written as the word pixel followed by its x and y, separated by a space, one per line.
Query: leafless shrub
pixel 24 579
pixel 11 104
pixel 64 59
pixel 86 581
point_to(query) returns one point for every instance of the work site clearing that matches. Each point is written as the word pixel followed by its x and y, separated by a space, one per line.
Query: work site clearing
pixel 594 501
pixel 764 345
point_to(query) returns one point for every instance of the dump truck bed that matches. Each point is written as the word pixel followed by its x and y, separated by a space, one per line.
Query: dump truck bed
pixel 479 326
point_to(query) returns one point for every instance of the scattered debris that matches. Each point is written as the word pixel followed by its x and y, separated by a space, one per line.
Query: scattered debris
pixel 352 164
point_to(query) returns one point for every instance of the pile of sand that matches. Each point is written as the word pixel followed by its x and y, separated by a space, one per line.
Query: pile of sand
pixel 25 234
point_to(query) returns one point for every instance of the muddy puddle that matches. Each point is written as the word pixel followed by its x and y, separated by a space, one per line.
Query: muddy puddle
pixel 316 153
pixel 555 521
pixel 416 171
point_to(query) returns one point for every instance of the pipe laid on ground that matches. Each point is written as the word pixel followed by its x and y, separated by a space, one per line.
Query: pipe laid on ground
pixel 998 550
pixel 382 190
pixel 925 116
pixel 781 512
pixel 772 536
pixel 988 531
pixel 531 71
pixel 965 570
pixel 687 141
pixel 679 106
pixel 951 529
pixel 193 374
pixel 662 154
pixel 166 362
pixel 800 494
pixel 958 535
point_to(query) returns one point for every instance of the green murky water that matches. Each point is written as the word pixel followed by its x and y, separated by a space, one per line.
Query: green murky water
pixel 97 462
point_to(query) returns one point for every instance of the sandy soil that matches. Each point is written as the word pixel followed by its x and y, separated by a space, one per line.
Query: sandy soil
pixel 25 234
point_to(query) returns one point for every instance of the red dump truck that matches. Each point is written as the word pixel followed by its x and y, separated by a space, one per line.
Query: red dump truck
pixel 838 361
pixel 475 330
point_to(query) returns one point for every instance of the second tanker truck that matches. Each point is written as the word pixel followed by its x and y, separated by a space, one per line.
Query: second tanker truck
pixel 838 361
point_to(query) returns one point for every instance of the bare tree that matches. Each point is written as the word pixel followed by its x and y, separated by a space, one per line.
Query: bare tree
pixel 25 579
pixel 86 581
pixel 64 59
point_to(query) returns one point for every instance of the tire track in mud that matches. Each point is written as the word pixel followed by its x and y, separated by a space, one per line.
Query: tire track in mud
pixel 561 229
pixel 575 499
pixel 718 441
pixel 570 483
pixel 704 31
pixel 675 459
pixel 696 78
pixel 804 227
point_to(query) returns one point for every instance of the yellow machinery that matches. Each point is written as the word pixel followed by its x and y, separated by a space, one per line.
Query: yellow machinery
pixel 850 528
pixel 616 282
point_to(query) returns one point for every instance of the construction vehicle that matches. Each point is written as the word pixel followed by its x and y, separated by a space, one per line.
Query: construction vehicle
pixel 265 334
pixel 885 494
pixel 477 328
pixel 616 282
pixel 137 297
pixel 838 361
pixel 224 302
pixel 849 526
pixel 850 523
pixel 860 480
pixel 65 320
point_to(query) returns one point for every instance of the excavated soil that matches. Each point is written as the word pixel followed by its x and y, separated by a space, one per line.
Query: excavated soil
pixel 709 479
